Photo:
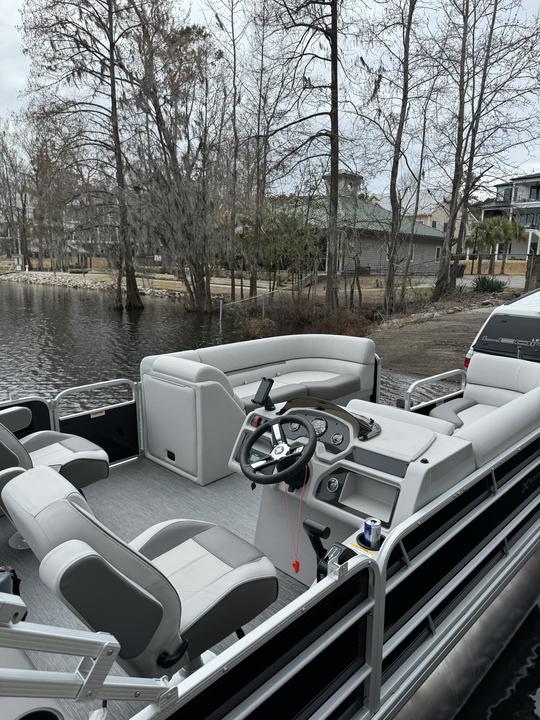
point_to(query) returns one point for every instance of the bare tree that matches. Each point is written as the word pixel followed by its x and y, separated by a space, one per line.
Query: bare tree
pixel 76 51
pixel 488 52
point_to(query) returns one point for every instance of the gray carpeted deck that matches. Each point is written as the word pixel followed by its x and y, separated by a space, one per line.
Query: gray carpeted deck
pixel 136 495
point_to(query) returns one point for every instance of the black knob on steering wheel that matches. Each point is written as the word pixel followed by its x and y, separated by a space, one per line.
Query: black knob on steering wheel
pixel 287 461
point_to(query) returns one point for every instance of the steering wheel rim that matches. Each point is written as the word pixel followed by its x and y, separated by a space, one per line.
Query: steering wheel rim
pixel 280 451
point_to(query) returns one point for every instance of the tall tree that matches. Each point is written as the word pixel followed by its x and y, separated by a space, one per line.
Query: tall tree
pixel 76 51
pixel 488 52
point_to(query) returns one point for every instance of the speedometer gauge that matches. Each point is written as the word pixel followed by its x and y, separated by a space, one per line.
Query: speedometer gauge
pixel 319 425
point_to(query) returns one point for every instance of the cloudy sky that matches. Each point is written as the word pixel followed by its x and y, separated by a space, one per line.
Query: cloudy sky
pixel 14 68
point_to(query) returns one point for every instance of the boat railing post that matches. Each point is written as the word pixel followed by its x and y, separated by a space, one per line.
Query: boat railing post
pixel 221 303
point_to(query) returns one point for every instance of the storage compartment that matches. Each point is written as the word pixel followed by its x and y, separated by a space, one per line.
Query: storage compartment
pixel 369 497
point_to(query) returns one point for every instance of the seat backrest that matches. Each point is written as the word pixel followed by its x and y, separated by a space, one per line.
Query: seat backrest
pixel 496 380
pixel 113 589
pixel 12 452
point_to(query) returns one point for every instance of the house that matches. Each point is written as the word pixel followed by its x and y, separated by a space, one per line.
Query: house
pixel 437 218
pixel 518 199
pixel 364 227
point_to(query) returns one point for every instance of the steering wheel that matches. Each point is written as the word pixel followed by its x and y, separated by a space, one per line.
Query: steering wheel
pixel 293 459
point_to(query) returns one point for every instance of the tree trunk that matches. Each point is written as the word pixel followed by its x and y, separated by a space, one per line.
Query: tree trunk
pixel 394 240
pixel 133 298
pixel 443 282
pixel 332 239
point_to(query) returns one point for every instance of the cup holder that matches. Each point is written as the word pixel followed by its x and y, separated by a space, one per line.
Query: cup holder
pixel 42 714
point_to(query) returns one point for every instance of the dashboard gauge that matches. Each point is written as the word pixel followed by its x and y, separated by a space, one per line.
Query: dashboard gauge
pixel 319 425
pixel 337 438
pixel 295 427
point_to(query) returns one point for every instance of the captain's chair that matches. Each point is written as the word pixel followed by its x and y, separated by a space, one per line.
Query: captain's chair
pixel 77 459
pixel 173 592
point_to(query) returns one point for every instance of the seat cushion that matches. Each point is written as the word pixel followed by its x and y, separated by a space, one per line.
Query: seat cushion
pixel 222 581
pixel 363 407
pixel 77 459
pixel 461 410
pixel 280 392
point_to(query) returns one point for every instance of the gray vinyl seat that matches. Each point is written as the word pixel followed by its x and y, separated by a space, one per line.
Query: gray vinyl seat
pixel 77 459
pixel 170 594
pixel 492 381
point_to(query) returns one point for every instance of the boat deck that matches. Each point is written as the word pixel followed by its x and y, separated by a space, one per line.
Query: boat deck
pixel 136 495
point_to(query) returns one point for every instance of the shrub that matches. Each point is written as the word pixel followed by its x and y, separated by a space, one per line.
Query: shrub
pixel 488 284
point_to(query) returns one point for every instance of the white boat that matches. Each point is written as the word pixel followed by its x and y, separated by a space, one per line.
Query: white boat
pixel 247 532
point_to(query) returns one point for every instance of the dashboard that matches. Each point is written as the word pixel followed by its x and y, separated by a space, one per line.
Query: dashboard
pixel 331 431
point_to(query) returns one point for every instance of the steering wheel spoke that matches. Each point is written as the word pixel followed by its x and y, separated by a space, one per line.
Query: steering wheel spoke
pixel 277 433
pixel 268 461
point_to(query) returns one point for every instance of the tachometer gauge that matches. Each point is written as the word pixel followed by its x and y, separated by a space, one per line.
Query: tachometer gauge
pixel 319 425
pixel 337 438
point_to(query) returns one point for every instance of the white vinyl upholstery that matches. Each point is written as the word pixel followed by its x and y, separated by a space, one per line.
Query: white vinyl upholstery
pixel 492 381
pixel 502 427
pixel 175 590
pixel 195 401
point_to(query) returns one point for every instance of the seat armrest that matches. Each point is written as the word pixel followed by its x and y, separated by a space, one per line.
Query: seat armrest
pixel 164 536
pixel 15 418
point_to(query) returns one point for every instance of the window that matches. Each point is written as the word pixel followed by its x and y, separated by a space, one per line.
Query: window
pixel 507 194
pixel 434 224
pixel 511 336
pixel 445 228
pixel 534 192
pixel 437 254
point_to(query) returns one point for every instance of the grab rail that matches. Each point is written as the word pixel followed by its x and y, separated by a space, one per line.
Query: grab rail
pixel 91 387
pixel 428 381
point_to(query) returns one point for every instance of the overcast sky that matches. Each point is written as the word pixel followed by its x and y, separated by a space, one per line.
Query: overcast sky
pixel 14 68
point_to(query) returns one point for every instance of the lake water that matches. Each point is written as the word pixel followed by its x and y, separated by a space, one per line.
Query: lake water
pixel 54 338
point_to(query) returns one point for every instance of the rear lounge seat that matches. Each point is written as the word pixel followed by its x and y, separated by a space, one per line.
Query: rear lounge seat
pixel 492 381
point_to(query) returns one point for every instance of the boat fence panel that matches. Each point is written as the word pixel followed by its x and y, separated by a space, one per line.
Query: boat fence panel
pixel 113 423
pixel 315 659
pixel 464 548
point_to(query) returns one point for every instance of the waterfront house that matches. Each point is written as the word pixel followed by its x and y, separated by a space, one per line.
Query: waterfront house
pixel 518 199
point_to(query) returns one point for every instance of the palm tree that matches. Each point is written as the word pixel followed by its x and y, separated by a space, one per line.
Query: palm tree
pixel 496 231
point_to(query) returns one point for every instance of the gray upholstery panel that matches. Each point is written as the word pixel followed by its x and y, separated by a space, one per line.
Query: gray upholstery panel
pixel 12 452
pixel 41 439
pixel 15 418
pixel 110 602
pixel 237 608
pixel 227 547
pixel 448 410
pixel 84 471
pixel 161 538
pixel 363 407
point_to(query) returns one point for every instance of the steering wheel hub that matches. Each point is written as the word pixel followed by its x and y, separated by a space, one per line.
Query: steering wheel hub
pixel 286 459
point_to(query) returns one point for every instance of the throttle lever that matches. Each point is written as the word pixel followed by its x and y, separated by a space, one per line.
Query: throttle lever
pixel 316 533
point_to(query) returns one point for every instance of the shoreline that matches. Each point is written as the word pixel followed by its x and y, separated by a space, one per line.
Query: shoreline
pixel 79 281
